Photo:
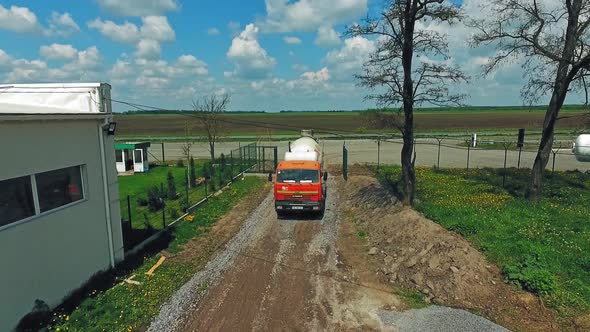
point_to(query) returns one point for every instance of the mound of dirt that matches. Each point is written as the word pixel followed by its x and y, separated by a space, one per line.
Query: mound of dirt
pixel 414 252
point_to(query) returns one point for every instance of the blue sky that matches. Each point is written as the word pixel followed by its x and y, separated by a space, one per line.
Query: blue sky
pixel 269 54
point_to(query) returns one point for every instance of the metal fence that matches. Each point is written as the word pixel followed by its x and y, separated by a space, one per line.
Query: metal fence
pixel 446 152
pixel 167 192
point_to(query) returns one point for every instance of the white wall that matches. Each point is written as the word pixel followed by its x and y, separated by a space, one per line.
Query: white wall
pixel 51 255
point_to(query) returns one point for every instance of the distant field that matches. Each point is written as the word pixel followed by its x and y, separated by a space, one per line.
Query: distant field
pixel 341 122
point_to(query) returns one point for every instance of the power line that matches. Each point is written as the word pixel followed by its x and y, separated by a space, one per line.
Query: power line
pixel 332 131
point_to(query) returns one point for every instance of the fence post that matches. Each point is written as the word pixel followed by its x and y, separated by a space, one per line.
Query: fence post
pixel 468 152
pixel 129 208
pixel 188 202
pixel 438 156
pixel 276 159
pixel 553 166
pixel 231 164
pixel 163 155
pixel 378 153
pixel 163 205
pixel 504 175
pixel 263 159
pixel 519 153
pixel 219 175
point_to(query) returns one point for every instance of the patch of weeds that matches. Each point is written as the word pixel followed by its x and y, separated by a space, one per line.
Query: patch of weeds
pixel 413 298
pixel 362 235
pixel 531 275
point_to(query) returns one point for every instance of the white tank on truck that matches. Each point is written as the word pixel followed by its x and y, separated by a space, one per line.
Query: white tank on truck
pixel 582 148
pixel 305 148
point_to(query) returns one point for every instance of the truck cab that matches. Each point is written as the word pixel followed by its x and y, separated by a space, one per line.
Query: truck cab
pixel 300 185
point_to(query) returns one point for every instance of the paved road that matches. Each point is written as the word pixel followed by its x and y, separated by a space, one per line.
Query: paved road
pixel 365 151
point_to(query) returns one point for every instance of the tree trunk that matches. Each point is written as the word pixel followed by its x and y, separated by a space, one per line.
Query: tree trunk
pixel 544 151
pixel 562 82
pixel 212 149
pixel 408 173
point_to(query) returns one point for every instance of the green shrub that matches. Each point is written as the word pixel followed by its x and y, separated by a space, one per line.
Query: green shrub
pixel 142 201
pixel 154 200
pixel 171 186
pixel 532 275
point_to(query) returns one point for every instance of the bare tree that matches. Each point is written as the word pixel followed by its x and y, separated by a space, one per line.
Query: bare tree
pixel 209 110
pixel 552 39
pixel 186 149
pixel 393 76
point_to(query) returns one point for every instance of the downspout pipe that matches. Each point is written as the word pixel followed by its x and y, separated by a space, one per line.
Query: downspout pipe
pixel 107 201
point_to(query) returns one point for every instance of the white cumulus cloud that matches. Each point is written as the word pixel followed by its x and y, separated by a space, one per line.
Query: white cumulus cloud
pixel 291 40
pixel 327 37
pixel 18 19
pixel 138 7
pixel 148 49
pixel 58 52
pixel 147 38
pixel 127 33
pixel 348 60
pixel 62 25
pixel 321 75
pixel 249 58
pixel 309 15
pixel 157 28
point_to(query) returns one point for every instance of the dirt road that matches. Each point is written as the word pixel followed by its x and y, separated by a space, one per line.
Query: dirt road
pixel 300 275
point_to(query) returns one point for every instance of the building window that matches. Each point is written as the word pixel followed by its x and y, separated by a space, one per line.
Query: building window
pixel 16 200
pixel 119 156
pixel 59 188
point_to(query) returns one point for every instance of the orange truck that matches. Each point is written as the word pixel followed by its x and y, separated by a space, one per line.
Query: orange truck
pixel 299 180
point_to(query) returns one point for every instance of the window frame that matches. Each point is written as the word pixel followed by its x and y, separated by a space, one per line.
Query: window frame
pixel 38 213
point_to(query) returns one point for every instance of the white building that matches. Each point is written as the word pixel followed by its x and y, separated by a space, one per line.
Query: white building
pixel 59 206
pixel 132 156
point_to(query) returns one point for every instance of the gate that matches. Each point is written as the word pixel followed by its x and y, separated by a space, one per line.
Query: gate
pixel 267 159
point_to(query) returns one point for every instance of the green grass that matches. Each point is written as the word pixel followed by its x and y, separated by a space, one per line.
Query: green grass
pixel 411 297
pixel 542 247
pixel 131 307
pixel 136 187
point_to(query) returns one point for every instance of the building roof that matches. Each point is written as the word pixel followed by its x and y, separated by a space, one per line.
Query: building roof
pixel 132 145
pixel 75 98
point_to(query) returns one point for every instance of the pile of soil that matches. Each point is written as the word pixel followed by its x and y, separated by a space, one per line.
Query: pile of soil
pixel 413 252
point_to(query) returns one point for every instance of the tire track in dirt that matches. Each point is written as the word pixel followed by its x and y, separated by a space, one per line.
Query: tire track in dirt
pixel 302 275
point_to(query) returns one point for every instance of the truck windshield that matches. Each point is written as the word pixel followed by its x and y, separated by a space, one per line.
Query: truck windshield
pixel 298 175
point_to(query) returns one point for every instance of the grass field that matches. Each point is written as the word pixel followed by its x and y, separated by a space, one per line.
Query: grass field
pixel 542 247
pixel 288 123
pixel 131 307
pixel 137 185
